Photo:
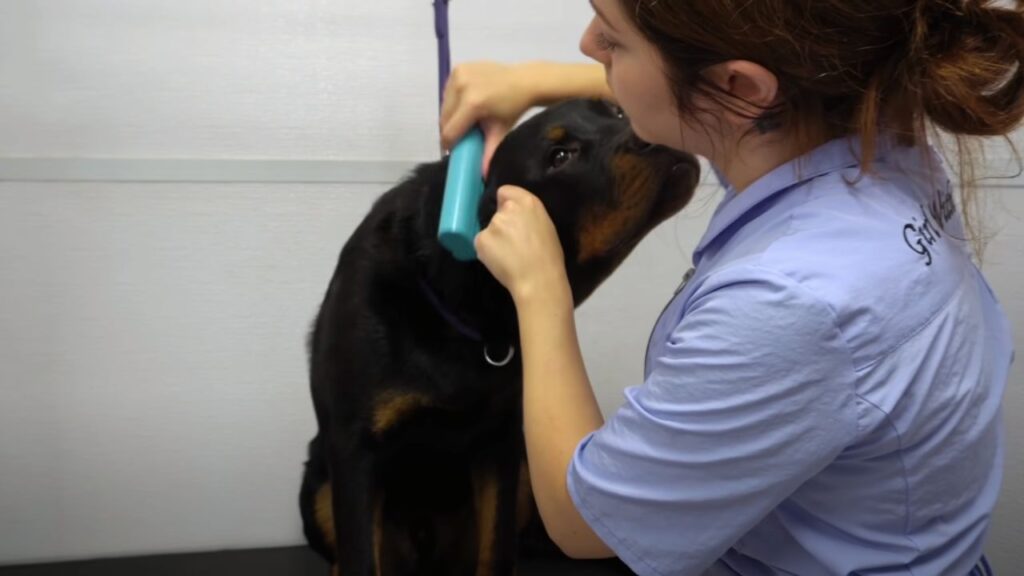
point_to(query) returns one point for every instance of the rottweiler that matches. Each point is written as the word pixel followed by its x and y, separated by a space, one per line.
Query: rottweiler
pixel 418 464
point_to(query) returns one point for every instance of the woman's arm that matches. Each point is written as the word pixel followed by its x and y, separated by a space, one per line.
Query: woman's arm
pixel 559 411
pixel 557 81
pixel 520 247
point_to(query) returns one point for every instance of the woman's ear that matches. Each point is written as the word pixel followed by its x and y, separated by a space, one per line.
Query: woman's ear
pixel 752 88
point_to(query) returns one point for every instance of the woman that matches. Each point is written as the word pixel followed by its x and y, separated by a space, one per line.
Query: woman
pixel 823 397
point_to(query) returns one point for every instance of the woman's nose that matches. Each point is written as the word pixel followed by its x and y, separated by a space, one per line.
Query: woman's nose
pixel 588 43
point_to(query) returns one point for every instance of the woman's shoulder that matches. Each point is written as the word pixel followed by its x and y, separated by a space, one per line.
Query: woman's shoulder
pixel 883 253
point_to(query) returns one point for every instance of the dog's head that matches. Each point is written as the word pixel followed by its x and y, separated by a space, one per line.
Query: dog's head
pixel 603 188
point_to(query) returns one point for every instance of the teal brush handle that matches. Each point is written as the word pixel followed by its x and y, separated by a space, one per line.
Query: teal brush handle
pixel 463 188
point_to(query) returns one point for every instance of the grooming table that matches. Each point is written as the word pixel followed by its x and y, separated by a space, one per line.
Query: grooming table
pixel 297 561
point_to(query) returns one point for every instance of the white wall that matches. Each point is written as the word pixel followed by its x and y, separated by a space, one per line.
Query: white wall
pixel 152 374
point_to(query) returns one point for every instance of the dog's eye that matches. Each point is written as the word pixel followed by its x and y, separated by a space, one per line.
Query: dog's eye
pixel 559 156
pixel 618 112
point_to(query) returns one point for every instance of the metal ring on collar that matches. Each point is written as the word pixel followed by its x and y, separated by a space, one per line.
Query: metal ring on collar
pixel 501 363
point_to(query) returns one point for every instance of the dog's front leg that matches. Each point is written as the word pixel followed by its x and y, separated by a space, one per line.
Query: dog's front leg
pixel 496 491
pixel 357 512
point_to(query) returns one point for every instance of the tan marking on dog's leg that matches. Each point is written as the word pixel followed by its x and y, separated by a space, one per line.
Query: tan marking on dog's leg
pixel 324 515
pixel 485 498
pixel 378 533
pixel 524 497
pixel 392 408
pixel 635 192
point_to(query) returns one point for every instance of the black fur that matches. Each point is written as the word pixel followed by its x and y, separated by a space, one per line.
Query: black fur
pixel 409 413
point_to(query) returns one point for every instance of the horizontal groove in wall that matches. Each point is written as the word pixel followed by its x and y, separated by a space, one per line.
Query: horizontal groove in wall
pixel 188 170
pixel 197 170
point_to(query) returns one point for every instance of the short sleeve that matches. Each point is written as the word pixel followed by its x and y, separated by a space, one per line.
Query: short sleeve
pixel 752 396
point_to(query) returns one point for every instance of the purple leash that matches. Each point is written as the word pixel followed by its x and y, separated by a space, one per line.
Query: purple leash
pixel 444 53
pixel 444 59
pixel 462 328
pixel 444 69
pixel 449 317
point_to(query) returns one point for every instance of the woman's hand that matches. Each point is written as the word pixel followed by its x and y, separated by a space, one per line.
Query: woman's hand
pixel 496 96
pixel 492 95
pixel 521 249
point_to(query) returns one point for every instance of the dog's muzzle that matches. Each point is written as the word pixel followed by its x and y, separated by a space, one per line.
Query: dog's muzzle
pixel 637 146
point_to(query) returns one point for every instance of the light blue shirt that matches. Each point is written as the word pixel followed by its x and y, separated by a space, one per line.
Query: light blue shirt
pixel 823 396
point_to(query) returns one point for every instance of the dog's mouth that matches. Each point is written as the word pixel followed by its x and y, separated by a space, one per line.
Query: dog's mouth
pixel 677 172
pixel 678 161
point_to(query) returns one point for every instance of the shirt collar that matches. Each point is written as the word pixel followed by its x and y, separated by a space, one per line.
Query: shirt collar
pixel 832 156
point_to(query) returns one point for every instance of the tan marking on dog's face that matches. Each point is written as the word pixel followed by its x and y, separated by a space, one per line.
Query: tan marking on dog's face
pixel 606 226
pixel 324 514
pixel 485 498
pixel 395 407
pixel 556 134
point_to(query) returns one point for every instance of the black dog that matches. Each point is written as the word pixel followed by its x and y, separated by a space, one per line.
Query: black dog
pixel 414 372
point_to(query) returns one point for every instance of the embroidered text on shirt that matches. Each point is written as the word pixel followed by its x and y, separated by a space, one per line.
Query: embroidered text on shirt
pixel 921 236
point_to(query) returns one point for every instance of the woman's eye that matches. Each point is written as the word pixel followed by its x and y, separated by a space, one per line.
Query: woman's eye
pixel 559 156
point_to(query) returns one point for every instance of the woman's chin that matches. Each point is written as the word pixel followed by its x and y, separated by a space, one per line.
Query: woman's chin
pixel 639 132
pixel 647 136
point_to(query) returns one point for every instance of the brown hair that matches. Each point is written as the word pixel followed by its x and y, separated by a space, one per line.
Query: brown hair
pixel 856 66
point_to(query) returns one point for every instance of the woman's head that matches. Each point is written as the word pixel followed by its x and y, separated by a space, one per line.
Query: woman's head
pixel 841 66
pixel 817 69
pixel 665 105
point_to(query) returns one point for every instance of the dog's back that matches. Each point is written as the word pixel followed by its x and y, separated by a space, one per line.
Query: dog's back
pixel 392 382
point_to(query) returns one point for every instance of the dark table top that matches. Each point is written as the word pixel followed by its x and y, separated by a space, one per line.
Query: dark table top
pixel 297 561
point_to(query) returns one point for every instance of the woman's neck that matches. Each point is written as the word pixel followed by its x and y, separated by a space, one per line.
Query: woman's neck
pixel 755 156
